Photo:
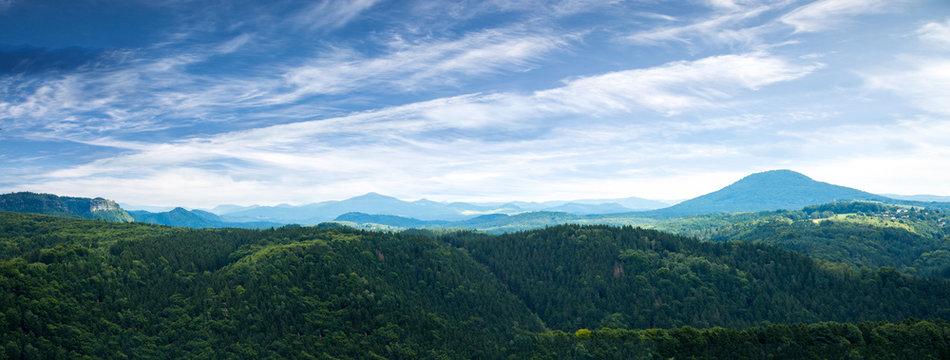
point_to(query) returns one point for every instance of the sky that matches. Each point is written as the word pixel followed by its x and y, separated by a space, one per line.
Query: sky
pixel 198 103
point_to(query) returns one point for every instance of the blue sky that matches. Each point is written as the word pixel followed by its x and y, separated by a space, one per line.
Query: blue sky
pixel 199 103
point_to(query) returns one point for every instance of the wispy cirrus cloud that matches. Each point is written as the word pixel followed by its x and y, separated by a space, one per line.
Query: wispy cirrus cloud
pixel 505 139
pixel 675 87
pixel 824 14
pixel 332 14
pixel 411 67
pixel 144 94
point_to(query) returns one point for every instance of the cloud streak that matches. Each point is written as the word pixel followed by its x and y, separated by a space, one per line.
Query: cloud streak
pixel 392 147
pixel 412 67
pixel 332 14
pixel 825 14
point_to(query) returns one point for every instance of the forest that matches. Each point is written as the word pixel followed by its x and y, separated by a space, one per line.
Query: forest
pixel 77 288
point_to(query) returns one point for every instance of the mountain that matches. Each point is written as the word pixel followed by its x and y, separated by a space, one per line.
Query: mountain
pixel 770 190
pixel 194 219
pixel 74 207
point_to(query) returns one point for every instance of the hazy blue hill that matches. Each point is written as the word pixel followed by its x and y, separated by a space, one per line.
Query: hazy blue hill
pixel 75 207
pixel 500 223
pixel 585 209
pixel 921 198
pixel 194 219
pixel 632 203
pixel 423 210
pixel 390 220
pixel 369 203
pixel 770 190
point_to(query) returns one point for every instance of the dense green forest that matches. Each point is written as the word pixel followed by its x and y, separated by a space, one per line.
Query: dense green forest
pixel 76 288
pixel 598 276
pixel 859 234
pixel 131 290
pixel 909 339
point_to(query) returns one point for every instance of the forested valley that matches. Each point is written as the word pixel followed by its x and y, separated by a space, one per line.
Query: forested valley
pixel 76 288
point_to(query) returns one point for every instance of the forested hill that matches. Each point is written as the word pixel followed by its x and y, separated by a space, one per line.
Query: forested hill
pixel 98 208
pixel 598 276
pixel 861 234
pixel 146 291
pixel 75 288
pixel 195 219
pixel 770 190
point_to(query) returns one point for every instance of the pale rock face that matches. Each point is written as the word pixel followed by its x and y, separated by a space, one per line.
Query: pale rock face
pixel 102 205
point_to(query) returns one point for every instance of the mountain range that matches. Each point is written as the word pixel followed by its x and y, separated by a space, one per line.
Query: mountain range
pixel 770 190
pixel 424 210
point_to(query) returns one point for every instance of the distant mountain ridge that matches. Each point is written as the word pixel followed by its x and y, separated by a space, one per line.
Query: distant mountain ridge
pixel 423 210
pixel 193 219
pixel 66 206
pixel 769 190
pixel 765 191
pixel 920 198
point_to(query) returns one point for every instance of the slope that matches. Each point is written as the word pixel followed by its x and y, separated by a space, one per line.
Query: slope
pixel 74 207
pixel 770 190
pixel 149 291
pixel 597 276
pixel 914 240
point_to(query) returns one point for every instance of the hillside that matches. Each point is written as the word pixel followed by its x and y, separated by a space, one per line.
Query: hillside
pixel 770 190
pixel 74 207
pixel 194 219
pixel 149 291
pixel 860 234
pixel 76 288
pixel 596 276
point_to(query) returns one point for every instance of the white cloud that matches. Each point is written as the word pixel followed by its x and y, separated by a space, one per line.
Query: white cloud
pixel 743 24
pixel 924 84
pixel 234 44
pixel 935 33
pixel 332 14
pixel 675 87
pixel 824 14
pixel 417 66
